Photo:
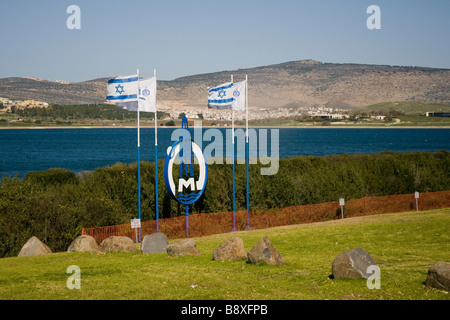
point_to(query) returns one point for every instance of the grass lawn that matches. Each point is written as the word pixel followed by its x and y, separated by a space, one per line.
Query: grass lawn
pixel 408 107
pixel 404 245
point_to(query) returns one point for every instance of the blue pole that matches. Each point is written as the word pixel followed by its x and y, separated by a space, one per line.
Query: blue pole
pixel 139 188
pixel 234 196
pixel 156 187
pixel 187 221
pixel 248 206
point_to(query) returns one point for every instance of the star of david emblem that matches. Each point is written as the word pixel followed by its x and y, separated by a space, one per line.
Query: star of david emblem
pixel 119 89
pixel 222 93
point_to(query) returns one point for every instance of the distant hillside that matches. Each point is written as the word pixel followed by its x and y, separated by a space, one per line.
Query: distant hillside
pixel 297 83
pixel 86 92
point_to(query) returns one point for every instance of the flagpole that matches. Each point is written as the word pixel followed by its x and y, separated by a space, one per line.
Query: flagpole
pixel 247 149
pixel 139 154
pixel 232 143
pixel 156 163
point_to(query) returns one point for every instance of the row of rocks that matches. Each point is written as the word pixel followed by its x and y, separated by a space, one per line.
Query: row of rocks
pixel 83 243
pixel 351 264
pixel 233 249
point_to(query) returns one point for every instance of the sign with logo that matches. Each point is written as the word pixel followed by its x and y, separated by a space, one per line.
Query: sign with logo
pixel 341 201
pixel 185 186
pixel 416 195
pixel 135 223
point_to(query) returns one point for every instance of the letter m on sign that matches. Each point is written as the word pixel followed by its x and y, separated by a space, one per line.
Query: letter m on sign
pixel 186 184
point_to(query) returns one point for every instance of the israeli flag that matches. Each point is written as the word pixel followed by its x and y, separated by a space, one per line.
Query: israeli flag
pixel 221 97
pixel 147 97
pixel 122 89
pixel 227 96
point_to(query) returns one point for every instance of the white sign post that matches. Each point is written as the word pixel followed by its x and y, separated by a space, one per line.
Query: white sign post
pixel 135 224
pixel 416 195
pixel 342 203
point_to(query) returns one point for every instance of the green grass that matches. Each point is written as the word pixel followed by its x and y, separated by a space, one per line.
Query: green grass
pixel 408 120
pixel 404 245
pixel 409 108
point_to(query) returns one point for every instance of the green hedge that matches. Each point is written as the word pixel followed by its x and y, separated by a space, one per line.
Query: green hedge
pixel 54 205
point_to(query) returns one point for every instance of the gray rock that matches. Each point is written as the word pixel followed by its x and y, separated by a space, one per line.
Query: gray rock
pixel 34 247
pixel 352 264
pixel 117 244
pixel 154 243
pixel 183 247
pixel 439 276
pixel 264 252
pixel 232 249
pixel 83 243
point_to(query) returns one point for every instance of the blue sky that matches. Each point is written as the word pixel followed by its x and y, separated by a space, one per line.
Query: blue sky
pixel 181 38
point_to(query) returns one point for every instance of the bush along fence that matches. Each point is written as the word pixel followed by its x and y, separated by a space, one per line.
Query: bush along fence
pixel 204 224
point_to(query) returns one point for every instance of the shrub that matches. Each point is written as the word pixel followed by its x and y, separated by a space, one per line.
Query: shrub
pixel 51 177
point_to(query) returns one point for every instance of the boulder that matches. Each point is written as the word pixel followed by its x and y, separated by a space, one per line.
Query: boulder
pixel 439 276
pixel 352 264
pixel 34 247
pixel 183 247
pixel 117 244
pixel 264 252
pixel 232 249
pixel 154 243
pixel 83 243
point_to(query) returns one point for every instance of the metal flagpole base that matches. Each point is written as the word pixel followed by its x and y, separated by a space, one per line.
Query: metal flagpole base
pixel 247 227
pixel 234 222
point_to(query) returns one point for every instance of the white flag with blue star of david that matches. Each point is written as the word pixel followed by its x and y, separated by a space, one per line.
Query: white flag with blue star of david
pixel 227 96
pixel 147 97
pixel 122 89
pixel 221 97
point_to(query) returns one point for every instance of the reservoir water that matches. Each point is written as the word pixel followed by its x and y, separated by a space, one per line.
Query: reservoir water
pixel 25 150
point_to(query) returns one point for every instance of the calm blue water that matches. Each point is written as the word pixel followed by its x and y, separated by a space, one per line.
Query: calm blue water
pixel 26 150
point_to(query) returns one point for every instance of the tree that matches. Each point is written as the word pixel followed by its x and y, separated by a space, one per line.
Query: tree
pixel 181 115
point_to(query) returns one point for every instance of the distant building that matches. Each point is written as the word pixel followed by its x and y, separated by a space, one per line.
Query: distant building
pixel 438 114
pixel 7 103
pixel 31 104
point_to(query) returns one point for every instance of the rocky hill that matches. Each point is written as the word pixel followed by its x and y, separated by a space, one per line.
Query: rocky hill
pixel 290 84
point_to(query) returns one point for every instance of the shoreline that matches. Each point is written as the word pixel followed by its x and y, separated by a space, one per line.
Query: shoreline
pixel 228 127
